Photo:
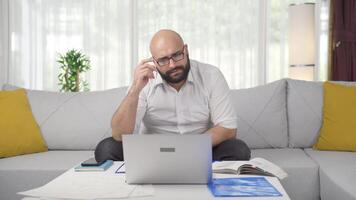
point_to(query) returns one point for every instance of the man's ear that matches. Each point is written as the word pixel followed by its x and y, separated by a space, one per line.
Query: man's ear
pixel 186 49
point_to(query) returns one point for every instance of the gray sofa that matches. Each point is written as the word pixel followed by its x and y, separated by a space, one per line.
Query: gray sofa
pixel 280 121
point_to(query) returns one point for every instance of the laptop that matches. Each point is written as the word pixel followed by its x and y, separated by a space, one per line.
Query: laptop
pixel 167 159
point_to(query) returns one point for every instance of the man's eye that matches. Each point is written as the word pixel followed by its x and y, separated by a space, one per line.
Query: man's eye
pixel 163 60
pixel 176 54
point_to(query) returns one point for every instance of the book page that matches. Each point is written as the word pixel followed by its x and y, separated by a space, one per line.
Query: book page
pixel 231 167
pixel 269 167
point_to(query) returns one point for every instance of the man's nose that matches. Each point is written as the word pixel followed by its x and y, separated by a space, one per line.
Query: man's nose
pixel 172 64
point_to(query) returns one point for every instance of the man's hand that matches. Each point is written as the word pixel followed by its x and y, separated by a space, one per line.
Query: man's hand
pixel 143 73
pixel 123 121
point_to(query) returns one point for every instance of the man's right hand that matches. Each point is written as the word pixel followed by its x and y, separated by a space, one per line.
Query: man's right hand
pixel 143 73
pixel 123 121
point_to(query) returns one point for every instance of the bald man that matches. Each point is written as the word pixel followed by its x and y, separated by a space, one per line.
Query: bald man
pixel 172 94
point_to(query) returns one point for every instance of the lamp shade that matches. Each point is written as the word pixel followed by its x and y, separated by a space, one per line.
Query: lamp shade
pixel 302 73
pixel 301 35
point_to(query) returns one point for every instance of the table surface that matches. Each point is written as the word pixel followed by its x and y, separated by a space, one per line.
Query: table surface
pixel 187 191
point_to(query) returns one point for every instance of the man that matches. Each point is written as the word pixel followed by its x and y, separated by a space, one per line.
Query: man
pixel 172 94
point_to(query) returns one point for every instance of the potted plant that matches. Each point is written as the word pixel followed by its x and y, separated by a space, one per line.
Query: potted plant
pixel 72 64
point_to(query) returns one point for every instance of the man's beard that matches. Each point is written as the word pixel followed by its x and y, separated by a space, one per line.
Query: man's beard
pixel 169 79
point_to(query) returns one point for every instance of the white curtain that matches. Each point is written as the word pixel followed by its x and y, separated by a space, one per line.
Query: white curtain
pixel 222 33
pixel 247 40
pixel 41 29
pixel 4 41
pixel 322 23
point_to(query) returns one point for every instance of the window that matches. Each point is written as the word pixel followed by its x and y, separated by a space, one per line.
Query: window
pixel 247 40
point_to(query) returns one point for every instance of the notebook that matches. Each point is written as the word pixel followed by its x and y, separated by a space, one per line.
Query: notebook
pixel 101 167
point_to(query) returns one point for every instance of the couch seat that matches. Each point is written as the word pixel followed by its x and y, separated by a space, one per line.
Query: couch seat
pixel 302 182
pixel 337 174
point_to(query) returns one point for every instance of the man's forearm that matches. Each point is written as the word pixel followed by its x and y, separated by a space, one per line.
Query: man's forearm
pixel 123 121
pixel 219 134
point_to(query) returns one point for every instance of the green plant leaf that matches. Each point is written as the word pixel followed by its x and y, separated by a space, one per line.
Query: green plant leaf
pixel 71 63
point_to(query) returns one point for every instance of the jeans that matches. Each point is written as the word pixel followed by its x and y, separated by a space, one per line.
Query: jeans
pixel 232 149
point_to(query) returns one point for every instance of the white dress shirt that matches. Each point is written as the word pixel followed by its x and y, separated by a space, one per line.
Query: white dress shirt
pixel 202 102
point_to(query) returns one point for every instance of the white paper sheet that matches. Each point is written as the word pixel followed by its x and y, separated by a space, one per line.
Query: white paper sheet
pixel 90 185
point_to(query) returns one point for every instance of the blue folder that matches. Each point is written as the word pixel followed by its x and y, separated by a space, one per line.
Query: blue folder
pixel 243 187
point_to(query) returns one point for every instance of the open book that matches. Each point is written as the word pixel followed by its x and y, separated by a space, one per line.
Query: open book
pixel 255 166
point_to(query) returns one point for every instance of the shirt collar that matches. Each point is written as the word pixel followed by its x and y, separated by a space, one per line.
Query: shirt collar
pixel 190 75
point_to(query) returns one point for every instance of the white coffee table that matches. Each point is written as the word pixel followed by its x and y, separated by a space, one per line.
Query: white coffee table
pixel 164 192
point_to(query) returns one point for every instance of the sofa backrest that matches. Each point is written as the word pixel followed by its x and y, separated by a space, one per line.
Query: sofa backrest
pixel 261 115
pixel 284 113
pixel 74 121
pixel 305 102
pixel 305 111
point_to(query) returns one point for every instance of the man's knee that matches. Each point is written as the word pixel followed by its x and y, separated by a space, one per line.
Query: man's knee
pixel 109 149
pixel 233 149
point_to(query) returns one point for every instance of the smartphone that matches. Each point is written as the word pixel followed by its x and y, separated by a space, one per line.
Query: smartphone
pixel 92 162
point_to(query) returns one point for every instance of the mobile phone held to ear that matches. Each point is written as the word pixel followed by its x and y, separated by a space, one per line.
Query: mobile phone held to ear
pixel 92 162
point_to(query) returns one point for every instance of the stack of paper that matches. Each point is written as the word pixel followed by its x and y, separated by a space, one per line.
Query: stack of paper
pixel 89 185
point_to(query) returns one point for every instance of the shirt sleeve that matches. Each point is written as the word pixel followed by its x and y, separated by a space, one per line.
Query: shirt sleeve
pixel 221 109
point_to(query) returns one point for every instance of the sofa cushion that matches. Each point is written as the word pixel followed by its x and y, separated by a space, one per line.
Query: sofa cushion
pixel 337 173
pixel 303 180
pixel 338 130
pixel 26 172
pixel 305 103
pixel 261 115
pixel 19 132
pixel 74 120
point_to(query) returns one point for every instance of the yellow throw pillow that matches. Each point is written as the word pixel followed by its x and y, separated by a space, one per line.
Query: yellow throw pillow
pixel 338 131
pixel 19 132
